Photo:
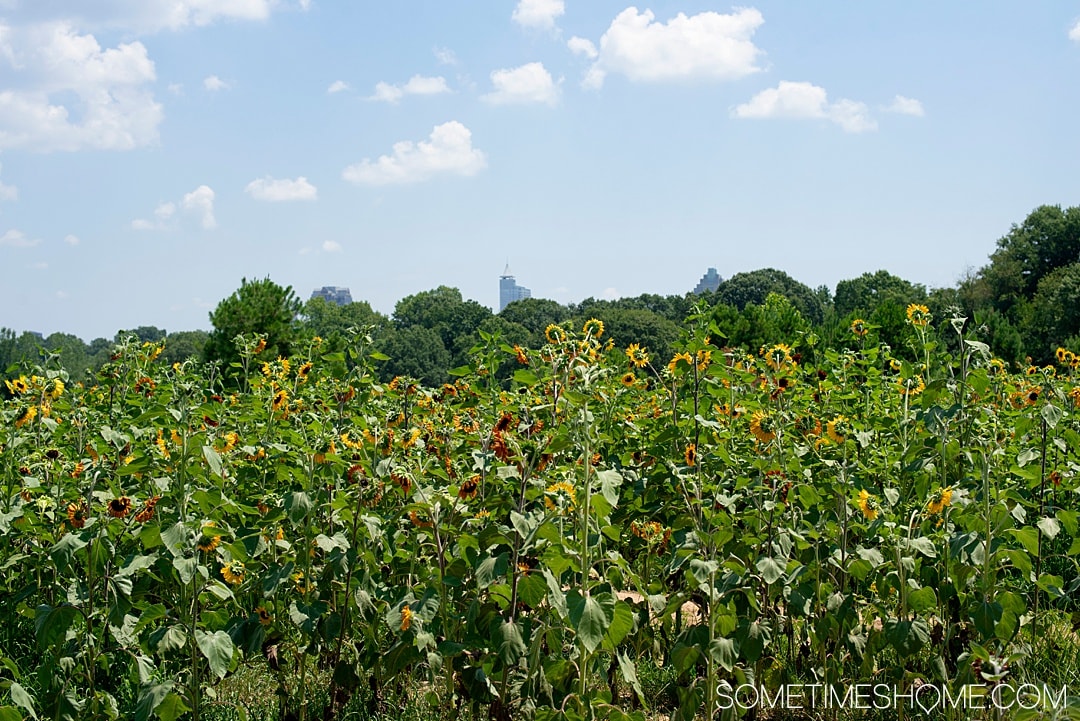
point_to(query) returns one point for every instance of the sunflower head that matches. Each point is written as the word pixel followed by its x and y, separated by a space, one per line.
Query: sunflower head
pixel 469 489
pixel 859 327
pixel 233 572
pixel 593 328
pixel 208 538
pixel 554 334
pixel 120 507
pixel 763 426
pixel 940 501
pixel 868 505
pixel 522 358
pixel 628 379
pixel 837 429
pixel 911 386
pixel 778 357
pixel 637 355
pixel 690 455
pixel 406 618
pixel 918 315
pixel 77 513
pixel 264 616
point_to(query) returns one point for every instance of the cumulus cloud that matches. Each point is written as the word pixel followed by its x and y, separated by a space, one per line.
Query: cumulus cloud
pixel 806 100
pixel 331 246
pixel 530 83
pixel 146 15
pixel 417 85
pixel 448 151
pixel 71 240
pixel 17 239
pixel 281 190
pixel 582 46
pixel 538 14
pixel 1074 34
pixel 213 83
pixel 199 203
pixel 708 45
pixel 905 106
pixel 8 192
pixel 63 91
pixel 337 86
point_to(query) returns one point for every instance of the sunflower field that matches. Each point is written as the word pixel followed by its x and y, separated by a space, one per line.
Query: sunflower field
pixel 522 542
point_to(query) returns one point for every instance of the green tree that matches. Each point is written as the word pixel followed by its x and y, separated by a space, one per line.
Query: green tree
pixel 865 293
pixel 415 351
pixel 331 321
pixel 753 288
pixel 258 306
pixel 1052 318
pixel 444 311
pixel 184 344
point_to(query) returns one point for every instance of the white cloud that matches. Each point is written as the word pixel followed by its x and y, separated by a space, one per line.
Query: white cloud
pixel 582 46
pixel 1074 34
pixel 17 239
pixel 337 86
pixel 905 106
pixel 539 14
pixel 213 83
pixel 198 203
pixel 8 192
pixel 176 89
pixel 71 240
pixel 611 294
pixel 530 83
pixel 331 246
pixel 276 191
pixel 445 56
pixel 147 15
pixel 61 295
pixel 201 202
pixel 64 92
pixel 448 151
pixel 707 45
pixel 806 100
pixel 417 85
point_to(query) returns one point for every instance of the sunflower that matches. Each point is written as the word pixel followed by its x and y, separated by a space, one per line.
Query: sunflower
pixel 119 507
pixel 808 425
pixel 690 456
pixel 406 618
pixel 280 399
pixel 918 315
pixel 858 327
pixel 1031 395
pixel 554 334
pixel 18 386
pixel 303 371
pixel 77 513
pixel 911 386
pixel 996 367
pixel 895 365
pixel 561 490
pixel 637 355
pixel 704 358
pixel 778 357
pixel 867 505
pixel 521 357
pixel 1060 354
pixel 57 389
pixel 28 416
pixel 233 572
pixel 628 379
pixel 147 511
pixel 674 362
pixel 469 488
pixel 208 541
pixel 939 502
pixel 761 427
pixel 264 616
pixel 260 346
pixel 835 428
pixel 593 327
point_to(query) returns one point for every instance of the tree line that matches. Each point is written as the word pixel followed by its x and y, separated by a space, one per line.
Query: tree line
pixel 1023 303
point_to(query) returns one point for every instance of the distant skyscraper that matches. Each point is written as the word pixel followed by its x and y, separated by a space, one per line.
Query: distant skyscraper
pixel 709 282
pixel 333 294
pixel 509 290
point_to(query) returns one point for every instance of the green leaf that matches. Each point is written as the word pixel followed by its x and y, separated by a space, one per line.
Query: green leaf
pixel 509 645
pixel 985 617
pixel 63 549
pixel 171 707
pixel 907 637
pixel 922 599
pixel 10 713
pixel 491 569
pixel 923 545
pixel 609 486
pixel 1049 526
pixel 22 698
pixel 213 459
pixel 1051 414
pixel 150 698
pixel 51 624
pixel 770 570
pixel 591 616
pixel 1028 537
pixel 217 648
pixel 525 377
pixel 629 674
pixel 701 570
pixel 724 652
pixel 622 623
pixel 556 596
pixel 297 505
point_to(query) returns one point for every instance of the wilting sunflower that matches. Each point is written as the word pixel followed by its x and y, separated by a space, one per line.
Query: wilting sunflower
pixel 17 386
pixel 264 616
pixel 939 502
pixel 836 429
pixel 858 327
pixel 690 455
pixel 554 334
pixel 469 489
pixel 637 355
pixel 593 327
pixel 522 358
pixel 233 572
pixel 762 426
pixel 281 397
pixel 77 513
pixel 674 362
pixel 147 511
pixel 406 618
pixel 628 379
pixel 867 505
pixel 119 507
pixel 808 425
pixel 303 371
pixel 918 315
pixel 29 415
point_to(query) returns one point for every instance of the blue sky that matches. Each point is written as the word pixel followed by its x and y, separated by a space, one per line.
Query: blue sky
pixel 154 152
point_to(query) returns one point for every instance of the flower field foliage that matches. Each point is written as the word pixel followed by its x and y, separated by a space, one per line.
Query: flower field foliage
pixel 521 540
